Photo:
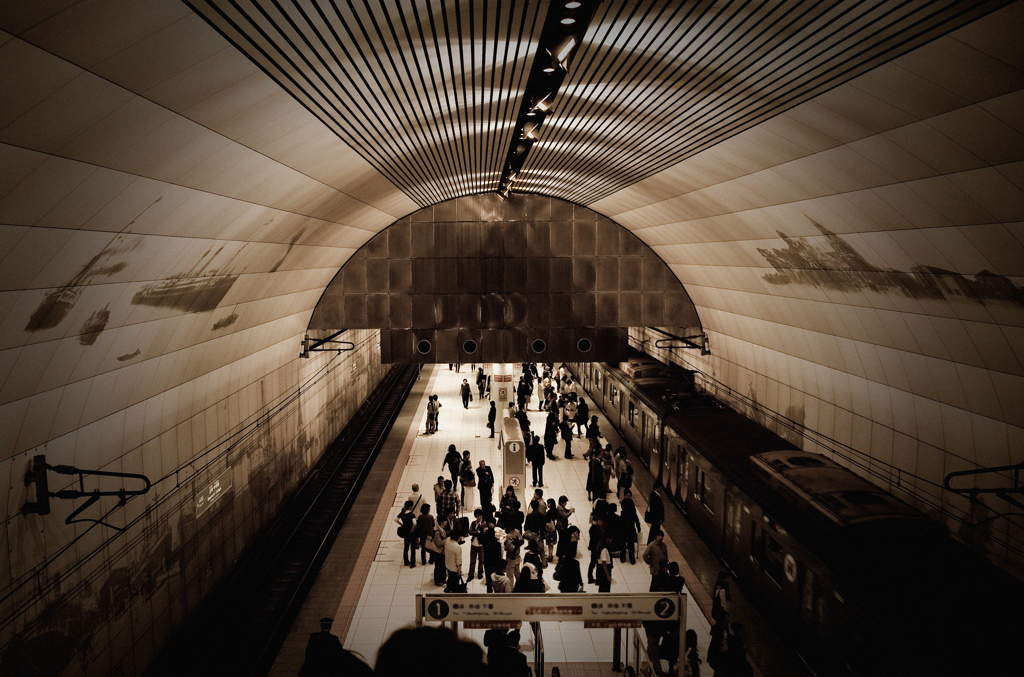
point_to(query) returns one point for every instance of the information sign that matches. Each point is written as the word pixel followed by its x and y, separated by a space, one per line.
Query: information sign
pixel 619 610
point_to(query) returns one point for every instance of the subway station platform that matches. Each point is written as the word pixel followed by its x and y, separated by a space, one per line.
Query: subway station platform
pixel 369 593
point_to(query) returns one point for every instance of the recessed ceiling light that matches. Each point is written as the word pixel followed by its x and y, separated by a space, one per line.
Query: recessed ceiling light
pixel 549 69
pixel 568 20
pixel 572 5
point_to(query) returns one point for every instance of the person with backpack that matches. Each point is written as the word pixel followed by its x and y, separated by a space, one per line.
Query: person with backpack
pixel 453 460
pixel 406 520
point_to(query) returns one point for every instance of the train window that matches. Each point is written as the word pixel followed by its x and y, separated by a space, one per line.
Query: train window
pixel 767 552
pixel 613 394
pixel 863 498
pixel 597 379
pixel 632 415
pixel 705 490
pixel 805 462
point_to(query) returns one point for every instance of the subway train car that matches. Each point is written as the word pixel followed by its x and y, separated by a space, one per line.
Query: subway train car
pixel 858 581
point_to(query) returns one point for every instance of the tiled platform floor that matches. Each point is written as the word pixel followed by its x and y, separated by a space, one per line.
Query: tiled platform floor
pixel 386 589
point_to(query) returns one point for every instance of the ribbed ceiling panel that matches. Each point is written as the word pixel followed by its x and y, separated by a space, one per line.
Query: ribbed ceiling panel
pixel 655 82
pixel 425 91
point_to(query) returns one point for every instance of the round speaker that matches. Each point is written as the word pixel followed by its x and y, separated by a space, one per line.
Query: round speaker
pixel 423 347
pixel 538 346
pixel 469 346
pixel 584 345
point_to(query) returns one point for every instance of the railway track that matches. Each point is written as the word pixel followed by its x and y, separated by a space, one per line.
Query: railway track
pixel 242 624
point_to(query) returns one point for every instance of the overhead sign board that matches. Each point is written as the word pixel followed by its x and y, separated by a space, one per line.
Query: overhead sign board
pixel 622 610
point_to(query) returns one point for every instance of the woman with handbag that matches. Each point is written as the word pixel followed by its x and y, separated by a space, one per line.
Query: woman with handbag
pixel 468 477
pixel 568 575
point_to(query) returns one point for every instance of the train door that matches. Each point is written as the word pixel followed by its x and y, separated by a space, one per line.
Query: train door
pixel 646 434
pixel 668 475
pixel 733 526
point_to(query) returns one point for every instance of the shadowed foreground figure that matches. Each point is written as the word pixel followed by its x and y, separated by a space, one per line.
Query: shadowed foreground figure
pixel 429 651
pixel 326 657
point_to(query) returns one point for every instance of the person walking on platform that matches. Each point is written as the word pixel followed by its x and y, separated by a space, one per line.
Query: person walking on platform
pixel 593 436
pixel 476 545
pixel 655 515
pixel 485 483
pixel 432 408
pixel 406 521
pixel 454 462
pixel 468 477
pixel 492 415
pixel 466 392
pixel 604 565
pixel 481 383
pixel 325 656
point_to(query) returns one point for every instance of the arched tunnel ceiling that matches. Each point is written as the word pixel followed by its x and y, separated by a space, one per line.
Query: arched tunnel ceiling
pixel 856 258
pixel 428 92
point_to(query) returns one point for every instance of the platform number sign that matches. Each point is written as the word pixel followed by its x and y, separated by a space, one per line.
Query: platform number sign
pixel 665 607
pixel 438 609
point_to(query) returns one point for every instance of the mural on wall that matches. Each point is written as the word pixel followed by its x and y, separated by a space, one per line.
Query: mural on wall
pixel 837 265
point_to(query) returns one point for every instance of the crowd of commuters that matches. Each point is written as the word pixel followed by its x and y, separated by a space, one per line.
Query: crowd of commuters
pixel 520 543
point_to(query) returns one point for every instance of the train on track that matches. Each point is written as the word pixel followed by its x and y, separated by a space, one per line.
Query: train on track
pixel 858 581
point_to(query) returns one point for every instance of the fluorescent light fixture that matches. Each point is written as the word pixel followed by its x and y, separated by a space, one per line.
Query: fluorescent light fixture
pixel 561 55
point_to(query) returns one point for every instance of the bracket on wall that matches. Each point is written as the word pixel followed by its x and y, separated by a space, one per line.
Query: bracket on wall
pixel 310 346
pixel 687 342
pixel 1007 494
pixel 41 506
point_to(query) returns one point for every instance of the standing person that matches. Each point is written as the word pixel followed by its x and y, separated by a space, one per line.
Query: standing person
pixel 431 426
pixel 551 529
pixel 492 415
pixel 655 514
pixel 604 566
pixel 550 439
pixel 720 599
pixel 492 551
pixel 624 483
pixel 406 520
pixel 629 522
pixel 691 659
pixel 476 545
pixel 594 477
pixel 481 383
pixel 593 436
pixel 521 393
pixel 454 462
pixel 448 502
pixel 569 412
pixel 453 559
pixel 582 416
pixel 513 547
pixel 438 489
pixel 466 393
pixel 325 657
pixel 437 546
pixel 425 532
pixel 568 575
pixel 566 546
pixel 437 413
pixel 416 497
pixel 524 422
pixel 566 433
pixel 468 477
pixel 535 455
pixel 485 483
pixel 596 540
pixel 656 552
pixel 500 582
